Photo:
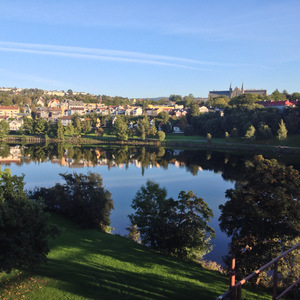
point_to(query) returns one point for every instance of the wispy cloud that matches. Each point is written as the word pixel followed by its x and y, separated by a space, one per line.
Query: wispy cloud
pixel 108 55
pixel 31 78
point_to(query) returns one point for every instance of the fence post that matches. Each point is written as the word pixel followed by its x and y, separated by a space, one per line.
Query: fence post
pixel 275 277
pixel 232 280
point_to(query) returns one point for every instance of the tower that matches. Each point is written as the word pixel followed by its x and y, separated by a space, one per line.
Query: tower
pixel 243 90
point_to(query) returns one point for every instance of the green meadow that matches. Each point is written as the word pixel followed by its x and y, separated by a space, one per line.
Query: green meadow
pixel 89 264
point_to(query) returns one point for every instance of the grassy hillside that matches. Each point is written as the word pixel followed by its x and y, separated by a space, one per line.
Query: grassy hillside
pixel 88 264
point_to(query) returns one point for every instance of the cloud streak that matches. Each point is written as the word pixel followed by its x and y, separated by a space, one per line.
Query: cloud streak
pixel 108 55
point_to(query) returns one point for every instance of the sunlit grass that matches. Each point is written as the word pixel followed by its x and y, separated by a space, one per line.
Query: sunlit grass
pixel 88 264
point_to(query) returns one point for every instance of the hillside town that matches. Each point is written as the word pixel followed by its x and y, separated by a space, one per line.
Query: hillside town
pixel 60 105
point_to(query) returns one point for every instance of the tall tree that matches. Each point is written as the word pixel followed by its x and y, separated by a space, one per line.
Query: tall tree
pixel 262 213
pixel 282 131
pixel 24 228
pixel 120 129
pixel 82 199
pixel 177 227
pixel 4 129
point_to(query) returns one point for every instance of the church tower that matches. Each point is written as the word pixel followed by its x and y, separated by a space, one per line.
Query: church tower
pixel 243 90
pixel 230 90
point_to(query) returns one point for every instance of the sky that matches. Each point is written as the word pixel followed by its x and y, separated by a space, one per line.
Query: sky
pixel 140 48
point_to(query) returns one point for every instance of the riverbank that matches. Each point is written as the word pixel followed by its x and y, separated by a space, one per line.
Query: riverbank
pixel 291 145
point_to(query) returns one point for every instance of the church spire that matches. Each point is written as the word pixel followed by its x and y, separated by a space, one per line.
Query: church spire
pixel 243 90
pixel 230 88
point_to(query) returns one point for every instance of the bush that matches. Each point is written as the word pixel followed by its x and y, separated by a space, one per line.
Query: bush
pixel 24 228
pixel 82 199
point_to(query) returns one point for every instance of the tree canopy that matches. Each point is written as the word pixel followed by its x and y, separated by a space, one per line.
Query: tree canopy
pixel 177 227
pixel 262 213
pixel 24 228
pixel 82 199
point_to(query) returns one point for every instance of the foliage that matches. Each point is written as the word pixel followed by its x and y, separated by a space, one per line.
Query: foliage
pixel 60 130
pixel 82 199
pixel 218 102
pixel 177 227
pixel 250 134
pixel 262 213
pixel 120 129
pixel 161 135
pixel 282 131
pixel 264 132
pixel 24 228
pixel 4 129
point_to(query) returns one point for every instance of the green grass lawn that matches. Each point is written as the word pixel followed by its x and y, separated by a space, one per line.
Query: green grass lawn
pixel 88 264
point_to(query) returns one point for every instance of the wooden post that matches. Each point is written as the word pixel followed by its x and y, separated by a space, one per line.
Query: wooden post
pixel 232 280
pixel 275 277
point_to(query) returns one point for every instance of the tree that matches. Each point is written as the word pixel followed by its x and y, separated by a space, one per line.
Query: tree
pixel 60 130
pixel 177 227
pixel 250 134
pixel 164 116
pixel 264 132
pixel 82 199
pixel 282 131
pixel 262 213
pixel 4 129
pixel 161 135
pixel 194 109
pixel 24 228
pixel 120 129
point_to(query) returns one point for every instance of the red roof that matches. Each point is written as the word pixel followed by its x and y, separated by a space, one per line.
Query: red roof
pixel 9 107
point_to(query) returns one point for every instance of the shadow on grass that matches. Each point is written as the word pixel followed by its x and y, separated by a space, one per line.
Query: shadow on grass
pixel 95 265
pixel 95 281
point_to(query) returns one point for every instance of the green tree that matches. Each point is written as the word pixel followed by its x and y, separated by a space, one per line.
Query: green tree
pixel 164 116
pixel 194 109
pixel 4 129
pixel 177 227
pixel 277 96
pixel 60 130
pixel 282 131
pixel 161 135
pixel 24 228
pixel 262 213
pixel 82 199
pixel 250 134
pixel 76 122
pixel 264 132
pixel 86 126
pixel 120 129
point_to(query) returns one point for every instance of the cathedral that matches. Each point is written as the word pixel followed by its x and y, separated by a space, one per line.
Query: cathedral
pixel 235 92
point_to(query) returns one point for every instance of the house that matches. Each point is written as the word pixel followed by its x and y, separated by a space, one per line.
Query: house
pixel 54 103
pixel 176 129
pixel 40 102
pixel 42 112
pixel 65 120
pixel 9 111
pixel 276 104
pixel 203 110
pixel 55 113
pixel 15 125
pixel 74 110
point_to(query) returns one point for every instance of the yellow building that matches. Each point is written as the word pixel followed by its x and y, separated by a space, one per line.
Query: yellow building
pixel 9 111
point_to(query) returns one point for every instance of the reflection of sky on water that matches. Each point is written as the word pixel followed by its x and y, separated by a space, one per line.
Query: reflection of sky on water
pixel 123 184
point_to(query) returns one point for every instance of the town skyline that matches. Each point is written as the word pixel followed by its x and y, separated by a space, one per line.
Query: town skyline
pixel 151 49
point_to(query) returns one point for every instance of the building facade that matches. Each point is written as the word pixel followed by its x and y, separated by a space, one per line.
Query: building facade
pixel 236 92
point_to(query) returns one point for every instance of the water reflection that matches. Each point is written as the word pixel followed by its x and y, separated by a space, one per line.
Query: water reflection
pixel 125 169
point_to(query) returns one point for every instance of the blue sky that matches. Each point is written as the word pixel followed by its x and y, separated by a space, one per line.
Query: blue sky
pixel 139 48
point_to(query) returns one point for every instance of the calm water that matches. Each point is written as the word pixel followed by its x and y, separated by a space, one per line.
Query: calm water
pixel 124 170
